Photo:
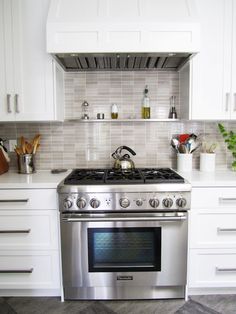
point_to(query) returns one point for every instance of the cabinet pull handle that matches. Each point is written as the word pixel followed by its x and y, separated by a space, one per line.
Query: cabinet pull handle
pixel 227 102
pixel 17 103
pixel 16 231
pixel 23 200
pixel 225 269
pixel 227 199
pixel 16 271
pixel 234 101
pixel 9 103
pixel 226 229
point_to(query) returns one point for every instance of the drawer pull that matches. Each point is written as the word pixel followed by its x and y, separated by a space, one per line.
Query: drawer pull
pixel 227 199
pixel 17 103
pixel 15 231
pixel 227 99
pixel 226 229
pixel 225 269
pixel 16 271
pixel 234 101
pixel 9 103
pixel 23 200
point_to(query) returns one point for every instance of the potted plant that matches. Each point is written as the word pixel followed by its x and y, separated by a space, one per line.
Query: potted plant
pixel 230 140
pixel 207 156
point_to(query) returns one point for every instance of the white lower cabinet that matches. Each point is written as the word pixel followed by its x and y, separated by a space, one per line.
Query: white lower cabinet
pixel 22 230
pixel 29 243
pixel 212 268
pixel 29 270
pixel 212 241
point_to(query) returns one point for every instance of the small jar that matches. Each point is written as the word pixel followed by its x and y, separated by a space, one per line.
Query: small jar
pixel 85 110
pixel 114 111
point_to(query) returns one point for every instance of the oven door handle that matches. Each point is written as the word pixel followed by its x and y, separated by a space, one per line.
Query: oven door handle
pixel 130 218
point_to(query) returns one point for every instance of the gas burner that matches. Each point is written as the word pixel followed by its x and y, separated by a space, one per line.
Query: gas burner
pixel 161 175
pixel 85 176
pixel 123 177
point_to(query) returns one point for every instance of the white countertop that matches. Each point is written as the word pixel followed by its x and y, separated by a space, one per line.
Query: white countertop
pixel 43 179
pixel 219 178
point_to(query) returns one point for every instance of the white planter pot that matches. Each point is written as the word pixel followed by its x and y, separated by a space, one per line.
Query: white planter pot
pixel 207 162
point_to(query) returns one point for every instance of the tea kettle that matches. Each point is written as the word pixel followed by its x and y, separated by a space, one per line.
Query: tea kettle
pixel 123 162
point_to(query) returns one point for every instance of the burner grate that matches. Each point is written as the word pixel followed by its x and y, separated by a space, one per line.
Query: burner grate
pixel 85 176
pixel 161 175
pixel 111 176
pixel 122 177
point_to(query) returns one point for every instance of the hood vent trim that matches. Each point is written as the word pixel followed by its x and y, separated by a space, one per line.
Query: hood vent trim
pixel 122 61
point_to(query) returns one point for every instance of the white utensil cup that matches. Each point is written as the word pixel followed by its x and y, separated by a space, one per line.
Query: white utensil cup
pixel 207 162
pixel 184 162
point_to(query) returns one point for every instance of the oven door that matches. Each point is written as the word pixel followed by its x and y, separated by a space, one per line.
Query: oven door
pixel 126 249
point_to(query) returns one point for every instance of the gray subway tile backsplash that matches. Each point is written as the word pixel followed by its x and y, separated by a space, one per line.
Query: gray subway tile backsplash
pixel 73 144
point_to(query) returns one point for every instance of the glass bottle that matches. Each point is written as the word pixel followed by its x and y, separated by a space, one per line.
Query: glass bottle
pixel 172 112
pixel 146 112
pixel 114 111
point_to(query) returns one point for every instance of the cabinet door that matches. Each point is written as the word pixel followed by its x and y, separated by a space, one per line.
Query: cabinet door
pixel 3 108
pixel 32 65
pixel 211 67
pixel 233 102
pixel 6 64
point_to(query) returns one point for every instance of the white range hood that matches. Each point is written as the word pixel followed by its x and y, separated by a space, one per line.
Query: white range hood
pixel 122 34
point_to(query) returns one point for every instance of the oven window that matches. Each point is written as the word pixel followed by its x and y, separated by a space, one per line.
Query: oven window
pixel 124 249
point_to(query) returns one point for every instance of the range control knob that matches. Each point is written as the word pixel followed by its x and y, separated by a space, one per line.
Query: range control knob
pixel 81 203
pixel 68 203
pixel 124 202
pixel 139 202
pixel 167 202
pixel 94 203
pixel 181 202
pixel 154 202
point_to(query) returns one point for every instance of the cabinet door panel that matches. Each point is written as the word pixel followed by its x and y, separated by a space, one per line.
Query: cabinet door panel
pixel 6 65
pixel 3 93
pixel 233 102
pixel 28 230
pixel 211 86
pixel 215 199
pixel 39 270
pixel 215 268
pixel 26 199
pixel 33 64
pixel 212 230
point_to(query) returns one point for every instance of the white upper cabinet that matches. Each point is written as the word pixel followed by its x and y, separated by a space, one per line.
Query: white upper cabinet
pixel 28 89
pixel 212 93
pixel 233 67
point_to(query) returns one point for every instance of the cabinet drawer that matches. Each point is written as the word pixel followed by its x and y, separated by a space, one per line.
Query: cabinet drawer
pixel 209 230
pixel 216 198
pixel 28 199
pixel 212 268
pixel 29 271
pixel 28 230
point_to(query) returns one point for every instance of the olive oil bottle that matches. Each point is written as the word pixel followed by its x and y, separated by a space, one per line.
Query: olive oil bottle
pixel 146 112
pixel 114 111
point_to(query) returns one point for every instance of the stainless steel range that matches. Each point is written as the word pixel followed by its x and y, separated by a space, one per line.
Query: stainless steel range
pixel 124 234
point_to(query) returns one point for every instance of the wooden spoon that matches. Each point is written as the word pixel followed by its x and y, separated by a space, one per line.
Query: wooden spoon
pixel 28 147
pixel 22 142
pixel 36 142
pixel 18 150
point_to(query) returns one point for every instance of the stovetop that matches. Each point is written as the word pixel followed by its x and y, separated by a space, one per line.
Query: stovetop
pixel 110 176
